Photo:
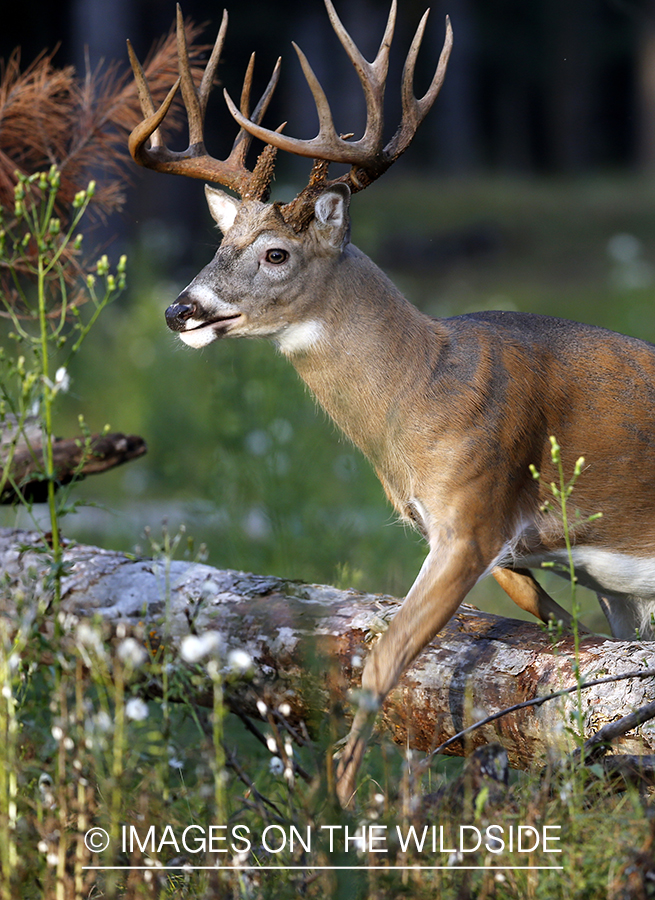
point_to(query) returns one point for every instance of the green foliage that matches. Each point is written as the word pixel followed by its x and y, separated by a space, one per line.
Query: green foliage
pixel 49 327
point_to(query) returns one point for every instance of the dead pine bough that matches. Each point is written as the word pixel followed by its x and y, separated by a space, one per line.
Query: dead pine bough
pixel 308 644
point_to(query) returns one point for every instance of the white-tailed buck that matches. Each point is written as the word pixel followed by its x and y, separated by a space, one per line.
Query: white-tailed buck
pixel 451 412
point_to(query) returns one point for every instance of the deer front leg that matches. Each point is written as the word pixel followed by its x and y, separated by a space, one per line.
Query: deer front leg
pixel 528 594
pixel 446 577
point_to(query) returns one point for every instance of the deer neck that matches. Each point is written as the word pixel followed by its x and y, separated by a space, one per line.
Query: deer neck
pixel 365 323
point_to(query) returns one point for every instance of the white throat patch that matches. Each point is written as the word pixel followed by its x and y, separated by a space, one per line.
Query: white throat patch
pixel 299 337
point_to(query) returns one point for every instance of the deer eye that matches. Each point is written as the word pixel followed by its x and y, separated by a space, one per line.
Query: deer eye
pixel 276 256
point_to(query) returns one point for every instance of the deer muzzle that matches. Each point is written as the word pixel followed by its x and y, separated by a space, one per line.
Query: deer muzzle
pixel 179 313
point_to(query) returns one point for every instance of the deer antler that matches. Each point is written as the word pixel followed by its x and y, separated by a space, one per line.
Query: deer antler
pixel 368 157
pixel 195 162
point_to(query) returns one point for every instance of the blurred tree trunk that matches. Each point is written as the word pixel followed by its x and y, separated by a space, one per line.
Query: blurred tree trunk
pixel 645 66
pixel 452 129
pixel 570 82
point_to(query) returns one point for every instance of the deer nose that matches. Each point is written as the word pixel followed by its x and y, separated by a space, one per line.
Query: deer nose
pixel 178 313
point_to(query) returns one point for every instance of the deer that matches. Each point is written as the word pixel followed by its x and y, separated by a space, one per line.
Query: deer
pixel 455 414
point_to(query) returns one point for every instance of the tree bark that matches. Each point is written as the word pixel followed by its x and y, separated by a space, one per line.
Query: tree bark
pixel 308 644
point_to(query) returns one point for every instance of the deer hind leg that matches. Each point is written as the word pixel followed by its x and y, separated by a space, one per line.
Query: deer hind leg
pixel 629 617
pixel 445 579
pixel 529 595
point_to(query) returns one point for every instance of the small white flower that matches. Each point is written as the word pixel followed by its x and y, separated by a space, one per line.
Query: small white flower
pixel 57 732
pixel 46 791
pixel 136 709
pixel 360 840
pixel 132 653
pixel 175 763
pixel 276 766
pixel 194 648
pixel 239 661
pixel 52 859
pixel 262 709
pixel 68 621
pixel 270 743
pixel 62 380
pixel 240 858
pixel 190 648
pixel 102 721
pixel 285 709
pixel 89 639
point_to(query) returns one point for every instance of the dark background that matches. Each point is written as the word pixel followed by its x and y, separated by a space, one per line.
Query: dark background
pixel 544 85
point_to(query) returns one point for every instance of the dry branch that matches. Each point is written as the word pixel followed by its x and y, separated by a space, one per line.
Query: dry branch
pixel 74 458
pixel 309 642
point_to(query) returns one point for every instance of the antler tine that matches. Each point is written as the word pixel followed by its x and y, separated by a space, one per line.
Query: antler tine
pixel 415 110
pixel 243 139
pixel 189 92
pixel 207 81
pixel 195 162
pixel 372 75
pixel 149 128
pixel 367 156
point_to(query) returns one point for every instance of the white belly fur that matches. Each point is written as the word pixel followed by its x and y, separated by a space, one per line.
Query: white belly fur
pixel 603 570
pixel 625 585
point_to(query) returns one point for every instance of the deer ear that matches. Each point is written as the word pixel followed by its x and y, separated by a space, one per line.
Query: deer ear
pixel 331 215
pixel 222 207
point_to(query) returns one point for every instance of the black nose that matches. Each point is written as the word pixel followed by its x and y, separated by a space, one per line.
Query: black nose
pixel 178 313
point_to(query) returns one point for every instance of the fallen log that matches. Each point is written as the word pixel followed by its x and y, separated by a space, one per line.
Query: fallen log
pixel 308 644
pixel 73 459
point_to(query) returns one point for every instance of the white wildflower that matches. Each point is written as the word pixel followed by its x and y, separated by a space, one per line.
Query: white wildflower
pixel 136 709
pixel 360 840
pixel 196 647
pixel 88 639
pixel 62 380
pixel 102 721
pixel 132 653
pixel 239 661
pixel 276 766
